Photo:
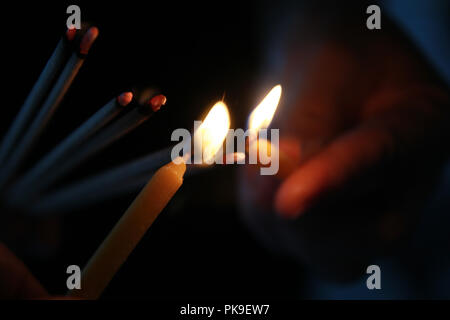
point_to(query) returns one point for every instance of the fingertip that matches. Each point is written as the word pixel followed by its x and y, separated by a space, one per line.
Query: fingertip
pixel 289 153
pixel 300 190
pixel 287 201
pixel 291 147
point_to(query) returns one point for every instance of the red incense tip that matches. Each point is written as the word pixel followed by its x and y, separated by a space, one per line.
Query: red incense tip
pixel 70 33
pixel 125 98
pixel 157 101
pixel 88 39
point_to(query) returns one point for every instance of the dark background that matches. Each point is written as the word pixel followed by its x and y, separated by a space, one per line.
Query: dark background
pixel 196 54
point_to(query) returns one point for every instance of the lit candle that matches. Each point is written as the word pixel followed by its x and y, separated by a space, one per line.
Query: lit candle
pixel 127 233
pixel 260 118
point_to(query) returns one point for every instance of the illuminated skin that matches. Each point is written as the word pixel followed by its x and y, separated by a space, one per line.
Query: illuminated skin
pixel 367 120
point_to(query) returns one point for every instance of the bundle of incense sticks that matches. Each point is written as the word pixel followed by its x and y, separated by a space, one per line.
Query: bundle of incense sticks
pixel 103 128
pixel 115 119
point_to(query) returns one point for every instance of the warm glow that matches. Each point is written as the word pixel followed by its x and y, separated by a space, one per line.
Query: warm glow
pixel 262 115
pixel 213 130
pixel 234 157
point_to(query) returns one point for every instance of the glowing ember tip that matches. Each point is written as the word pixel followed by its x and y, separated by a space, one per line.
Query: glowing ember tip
pixel 125 98
pixel 213 130
pixel 262 115
pixel 157 102
pixel 70 33
pixel 88 39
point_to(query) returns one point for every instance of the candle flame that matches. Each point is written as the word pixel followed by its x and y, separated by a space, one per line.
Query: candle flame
pixel 213 130
pixel 262 115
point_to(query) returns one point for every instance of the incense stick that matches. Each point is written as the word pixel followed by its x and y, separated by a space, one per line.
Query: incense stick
pixel 49 107
pixel 36 94
pixel 117 181
pixel 87 189
pixel 97 121
pixel 56 205
pixel 110 134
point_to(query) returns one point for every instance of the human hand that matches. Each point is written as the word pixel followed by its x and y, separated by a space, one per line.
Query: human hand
pixel 367 121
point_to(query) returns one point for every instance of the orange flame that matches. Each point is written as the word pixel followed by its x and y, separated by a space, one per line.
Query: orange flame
pixel 262 115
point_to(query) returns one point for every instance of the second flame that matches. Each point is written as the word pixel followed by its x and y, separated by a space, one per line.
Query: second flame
pixel 262 115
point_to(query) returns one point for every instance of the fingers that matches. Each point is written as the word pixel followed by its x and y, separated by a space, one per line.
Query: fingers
pixel 412 128
pixel 331 168
pixel 289 153
pixel 16 281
